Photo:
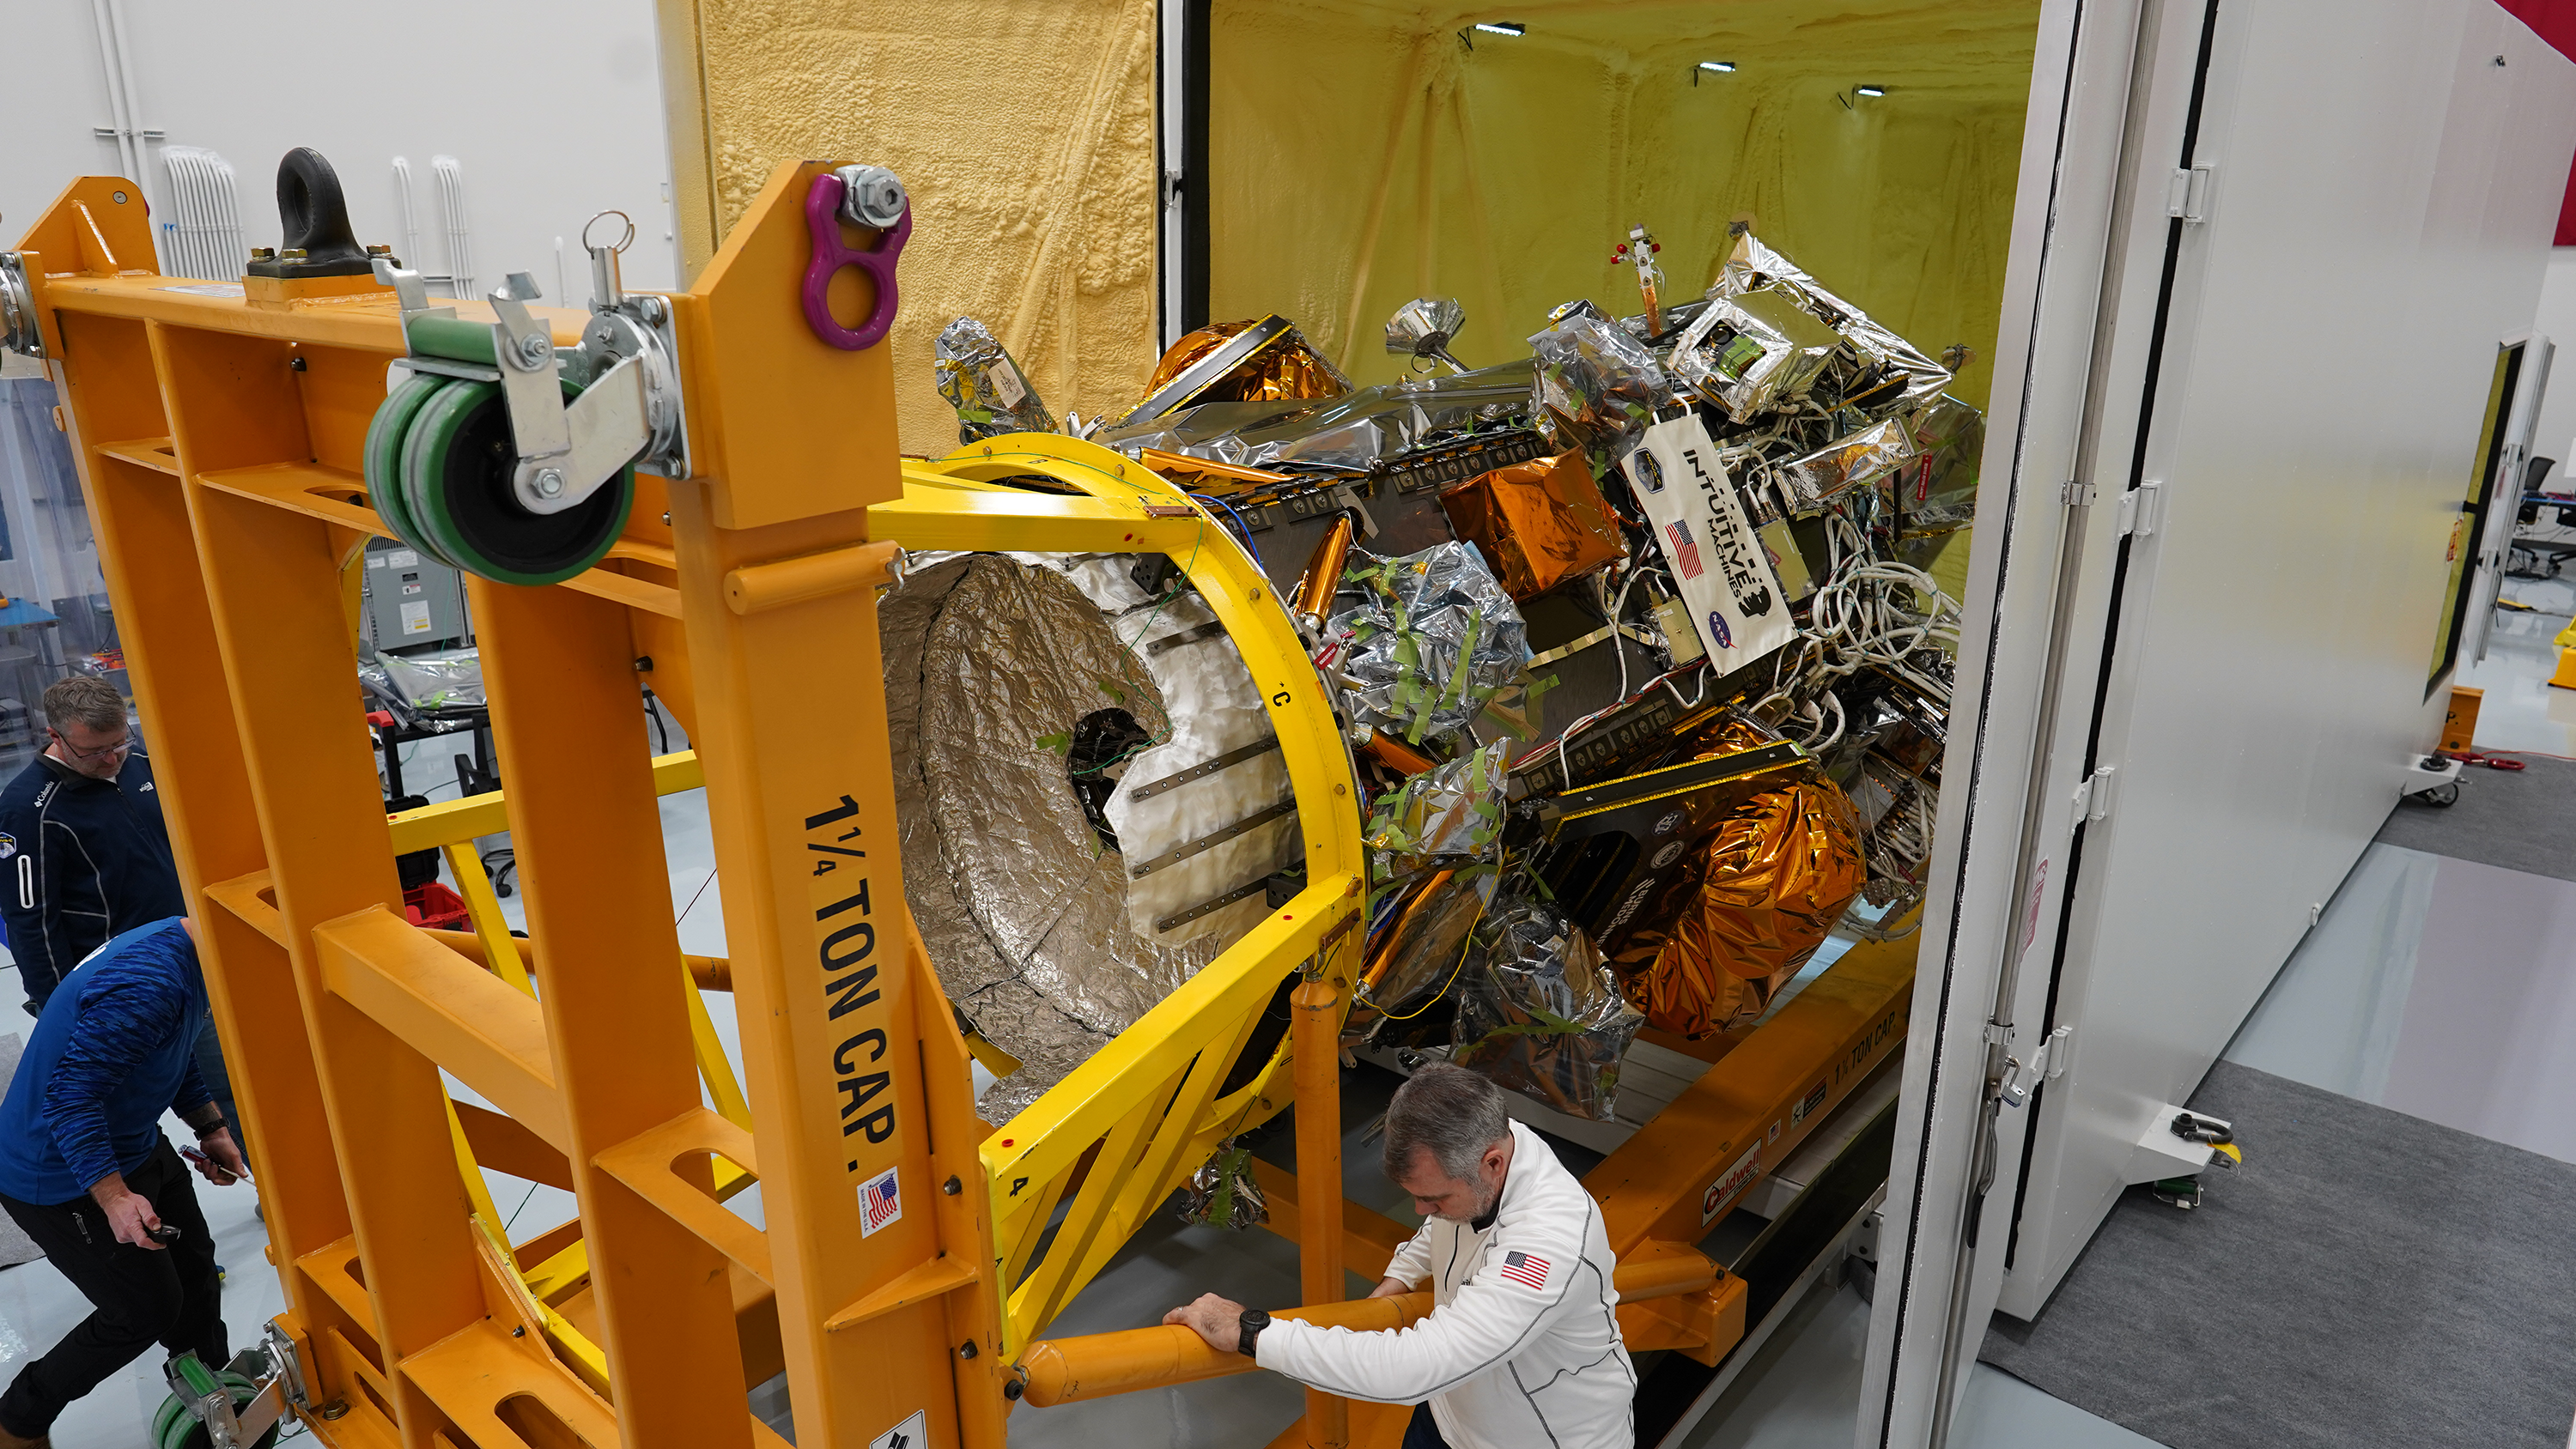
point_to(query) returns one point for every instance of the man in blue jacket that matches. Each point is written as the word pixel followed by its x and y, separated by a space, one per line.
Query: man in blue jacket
pixel 84 854
pixel 85 1170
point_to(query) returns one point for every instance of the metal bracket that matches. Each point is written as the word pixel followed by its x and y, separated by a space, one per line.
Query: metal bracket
pixel 2075 495
pixel 2093 796
pixel 2141 508
pixel 2187 194
pixel 2021 1077
pixel 630 409
pixel 1204 768
pixel 289 1360
pixel 19 330
pixel 276 1372
pixel 1213 839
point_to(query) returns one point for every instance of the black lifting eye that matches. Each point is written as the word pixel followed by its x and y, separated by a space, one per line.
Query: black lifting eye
pixel 314 217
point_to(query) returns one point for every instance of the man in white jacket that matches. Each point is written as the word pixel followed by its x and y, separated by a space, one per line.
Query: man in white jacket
pixel 1522 1344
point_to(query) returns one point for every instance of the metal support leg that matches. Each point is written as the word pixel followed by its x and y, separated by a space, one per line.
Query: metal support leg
pixel 1318 1025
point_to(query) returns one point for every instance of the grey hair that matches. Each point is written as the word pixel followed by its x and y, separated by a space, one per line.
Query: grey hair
pixel 1449 1111
pixel 86 698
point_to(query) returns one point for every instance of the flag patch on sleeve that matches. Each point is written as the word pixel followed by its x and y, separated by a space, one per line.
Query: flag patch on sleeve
pixel 1528 1270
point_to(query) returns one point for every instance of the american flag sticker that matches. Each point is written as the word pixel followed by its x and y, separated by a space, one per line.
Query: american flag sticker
pixel 1528 1270
pixel 880 1203
pixel 1685 548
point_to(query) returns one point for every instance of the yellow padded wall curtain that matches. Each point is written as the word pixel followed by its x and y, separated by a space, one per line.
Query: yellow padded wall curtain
pixel 1364 152
pixel 1024 130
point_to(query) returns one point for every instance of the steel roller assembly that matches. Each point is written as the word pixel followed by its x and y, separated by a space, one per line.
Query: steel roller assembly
pixel 243 1405
pixel 510 457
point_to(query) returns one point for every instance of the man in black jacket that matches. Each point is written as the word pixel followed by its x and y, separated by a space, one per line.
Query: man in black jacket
pixel 84 855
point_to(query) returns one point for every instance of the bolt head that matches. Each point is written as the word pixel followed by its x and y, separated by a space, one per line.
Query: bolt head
pixel 550 482
pixel 534 349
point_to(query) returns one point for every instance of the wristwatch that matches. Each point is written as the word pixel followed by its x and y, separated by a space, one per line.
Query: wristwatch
pixel 1254 1320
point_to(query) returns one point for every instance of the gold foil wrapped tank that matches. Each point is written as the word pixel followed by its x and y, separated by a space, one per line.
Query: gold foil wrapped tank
pixel 1274 361
pixel 1774 879
pixel 1538 524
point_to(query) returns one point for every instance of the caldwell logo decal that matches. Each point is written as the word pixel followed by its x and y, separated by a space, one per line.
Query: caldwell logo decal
pixel 1729 1183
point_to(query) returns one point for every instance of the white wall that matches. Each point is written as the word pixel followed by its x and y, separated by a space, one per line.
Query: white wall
pixel 554 109
pixel 2554 436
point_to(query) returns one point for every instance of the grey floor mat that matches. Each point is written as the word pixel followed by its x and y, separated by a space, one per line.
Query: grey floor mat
pixel 2520 819
pixel 2368 1280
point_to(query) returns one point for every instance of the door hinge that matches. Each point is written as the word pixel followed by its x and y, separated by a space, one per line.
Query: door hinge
pixel 2075 495
pixel 2093 796
pixel 2139 509
pixel 2046 1065
pixel 2187 194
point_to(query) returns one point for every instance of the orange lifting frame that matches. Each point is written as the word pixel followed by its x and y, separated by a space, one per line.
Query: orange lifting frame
pixel 218 437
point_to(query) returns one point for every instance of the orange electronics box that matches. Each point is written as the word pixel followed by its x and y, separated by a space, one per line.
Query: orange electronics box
pixel 2460 726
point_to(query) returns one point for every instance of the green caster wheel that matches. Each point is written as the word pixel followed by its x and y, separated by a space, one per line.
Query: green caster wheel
pixel 384 451
pixel 173 1427
pixel 438 469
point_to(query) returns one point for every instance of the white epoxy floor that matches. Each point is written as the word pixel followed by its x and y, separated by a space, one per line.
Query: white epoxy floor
pixel 2521 709
pixel 2400 985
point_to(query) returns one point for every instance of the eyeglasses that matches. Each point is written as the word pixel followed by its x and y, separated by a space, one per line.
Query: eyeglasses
pixel 124 746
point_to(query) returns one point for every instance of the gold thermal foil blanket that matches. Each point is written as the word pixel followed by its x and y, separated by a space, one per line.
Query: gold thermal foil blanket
pixel 1775 877
pixel 1538 524
pixel 1283 367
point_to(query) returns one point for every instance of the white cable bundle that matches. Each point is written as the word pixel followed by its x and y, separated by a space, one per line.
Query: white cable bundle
pixel 1857 619
pixel 205 209
pixel 451 200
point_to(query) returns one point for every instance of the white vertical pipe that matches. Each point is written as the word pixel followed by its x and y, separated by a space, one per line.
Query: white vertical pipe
pixel 120 118
pixel 133 125
pixel 192 205
pixel 410 216
pixel 185 202
pixel 460 248
pixel 179 257
pixel 204 213
pixel 231 251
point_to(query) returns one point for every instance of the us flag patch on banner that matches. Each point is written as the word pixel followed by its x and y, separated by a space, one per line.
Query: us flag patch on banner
pixel 1525 1269
pixel 1685 548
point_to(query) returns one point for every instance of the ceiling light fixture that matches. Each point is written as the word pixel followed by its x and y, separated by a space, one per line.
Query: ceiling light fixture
pixel 1869 90
pixel 1502 27
pixel 1722 67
